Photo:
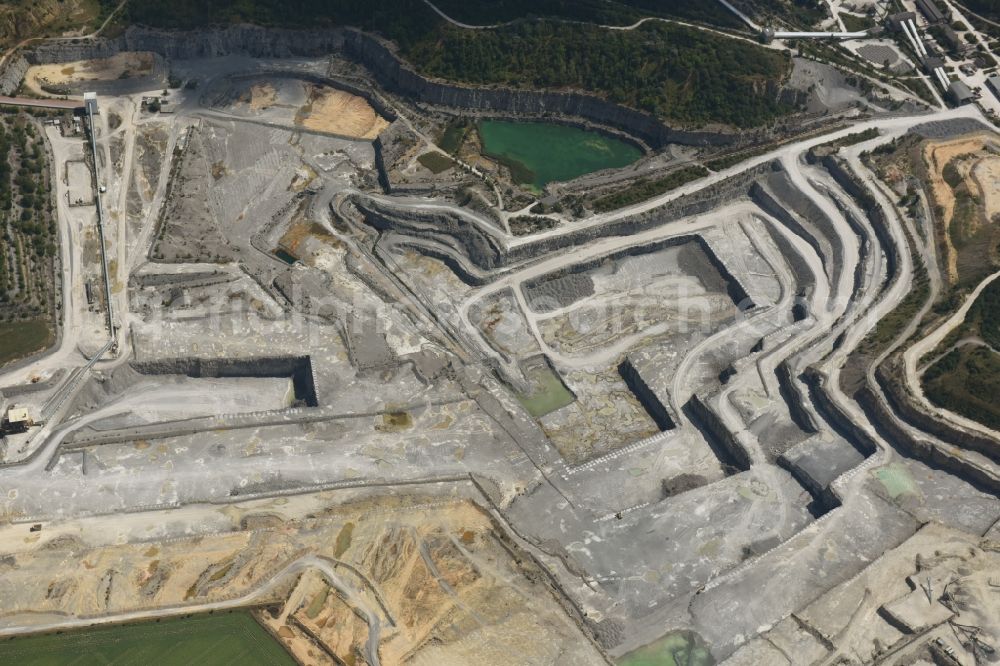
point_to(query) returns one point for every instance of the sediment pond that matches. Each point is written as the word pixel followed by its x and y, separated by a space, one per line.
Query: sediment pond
pixel 228 637
pixel 539 153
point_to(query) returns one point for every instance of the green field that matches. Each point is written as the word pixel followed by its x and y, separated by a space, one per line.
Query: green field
pixel 540 153
pixel 436 162
pixel 21 338
pixel 220 639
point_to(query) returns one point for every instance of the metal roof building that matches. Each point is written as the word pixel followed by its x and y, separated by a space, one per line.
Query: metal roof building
pixel 951 40
pixel 90 102
pixel 930 11
pixel 17 415
pixel 895 21
pixel 959 93
pixel 993 83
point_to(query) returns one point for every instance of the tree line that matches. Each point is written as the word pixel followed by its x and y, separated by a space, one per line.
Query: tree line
pixel 682 75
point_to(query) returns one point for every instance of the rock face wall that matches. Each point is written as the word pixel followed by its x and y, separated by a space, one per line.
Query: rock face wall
pixel 386 67
pixel 396 76
pixel 657 410
pixel 722 441
pixel 486 256
pixel 298 368
pixel 13 74
pixel 890 377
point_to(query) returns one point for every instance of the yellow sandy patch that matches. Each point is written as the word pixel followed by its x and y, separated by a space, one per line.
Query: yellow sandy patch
pixel 339 112
pixel 967 153
pixel 122 65
pixel 987 176
pixel 262 96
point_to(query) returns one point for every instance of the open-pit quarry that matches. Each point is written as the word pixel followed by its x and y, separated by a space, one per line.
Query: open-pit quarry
pixel 408 409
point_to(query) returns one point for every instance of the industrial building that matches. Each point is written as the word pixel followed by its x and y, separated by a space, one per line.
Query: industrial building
pixel 930 10
pixel 932 62
pixel 90 103
pixel 949 39
pixel 993 83
pixel 959 93
pixel 896 21
pixel 16 420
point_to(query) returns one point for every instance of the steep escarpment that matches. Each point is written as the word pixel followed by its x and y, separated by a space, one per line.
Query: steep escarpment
pixel 385 65
pixel 458 235
pixel 392 73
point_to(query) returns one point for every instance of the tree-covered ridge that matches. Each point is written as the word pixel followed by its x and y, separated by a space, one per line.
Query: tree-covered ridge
pixel 987 8
pixel 985 314
pixel 683 75
pixel 607 12
pixel 394 18
pixel 680 74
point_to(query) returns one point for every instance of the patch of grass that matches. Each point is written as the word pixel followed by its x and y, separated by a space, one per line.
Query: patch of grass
pixel 726 161
pixel 644 189
pixel 891 325
pixel 221 573
pixel 519 172
pixel 394 421
pixel 436 162
pixel 454 136
pixel 343 539
pixel 217 638
pixel 850 139
pixel 856 23
pixel 317 603
pixel 522 225
pixel 951 175
pixel 19 339
pixel 963 220
pixel 981 321
pixel 966 381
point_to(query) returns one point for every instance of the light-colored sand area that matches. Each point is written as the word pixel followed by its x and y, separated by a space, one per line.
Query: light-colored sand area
pixel 339 112
pixel 978 166
pixel 426 579
pixel 120 66
pixel 987 176
pixel 262 96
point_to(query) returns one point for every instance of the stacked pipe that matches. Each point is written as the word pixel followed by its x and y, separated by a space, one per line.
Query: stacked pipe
pixel 942 77
pixel 914 38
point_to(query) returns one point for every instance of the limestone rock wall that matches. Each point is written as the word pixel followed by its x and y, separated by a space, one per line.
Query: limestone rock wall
pixel 386 67
pixel 13 74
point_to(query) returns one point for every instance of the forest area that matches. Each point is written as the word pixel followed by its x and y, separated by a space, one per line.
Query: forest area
pixel 684 75
pixel 27 238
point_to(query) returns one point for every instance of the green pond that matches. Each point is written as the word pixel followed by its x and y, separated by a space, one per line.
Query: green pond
pixel 218 639
pixel 540 153
pixel 678 648
pixel 548 393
